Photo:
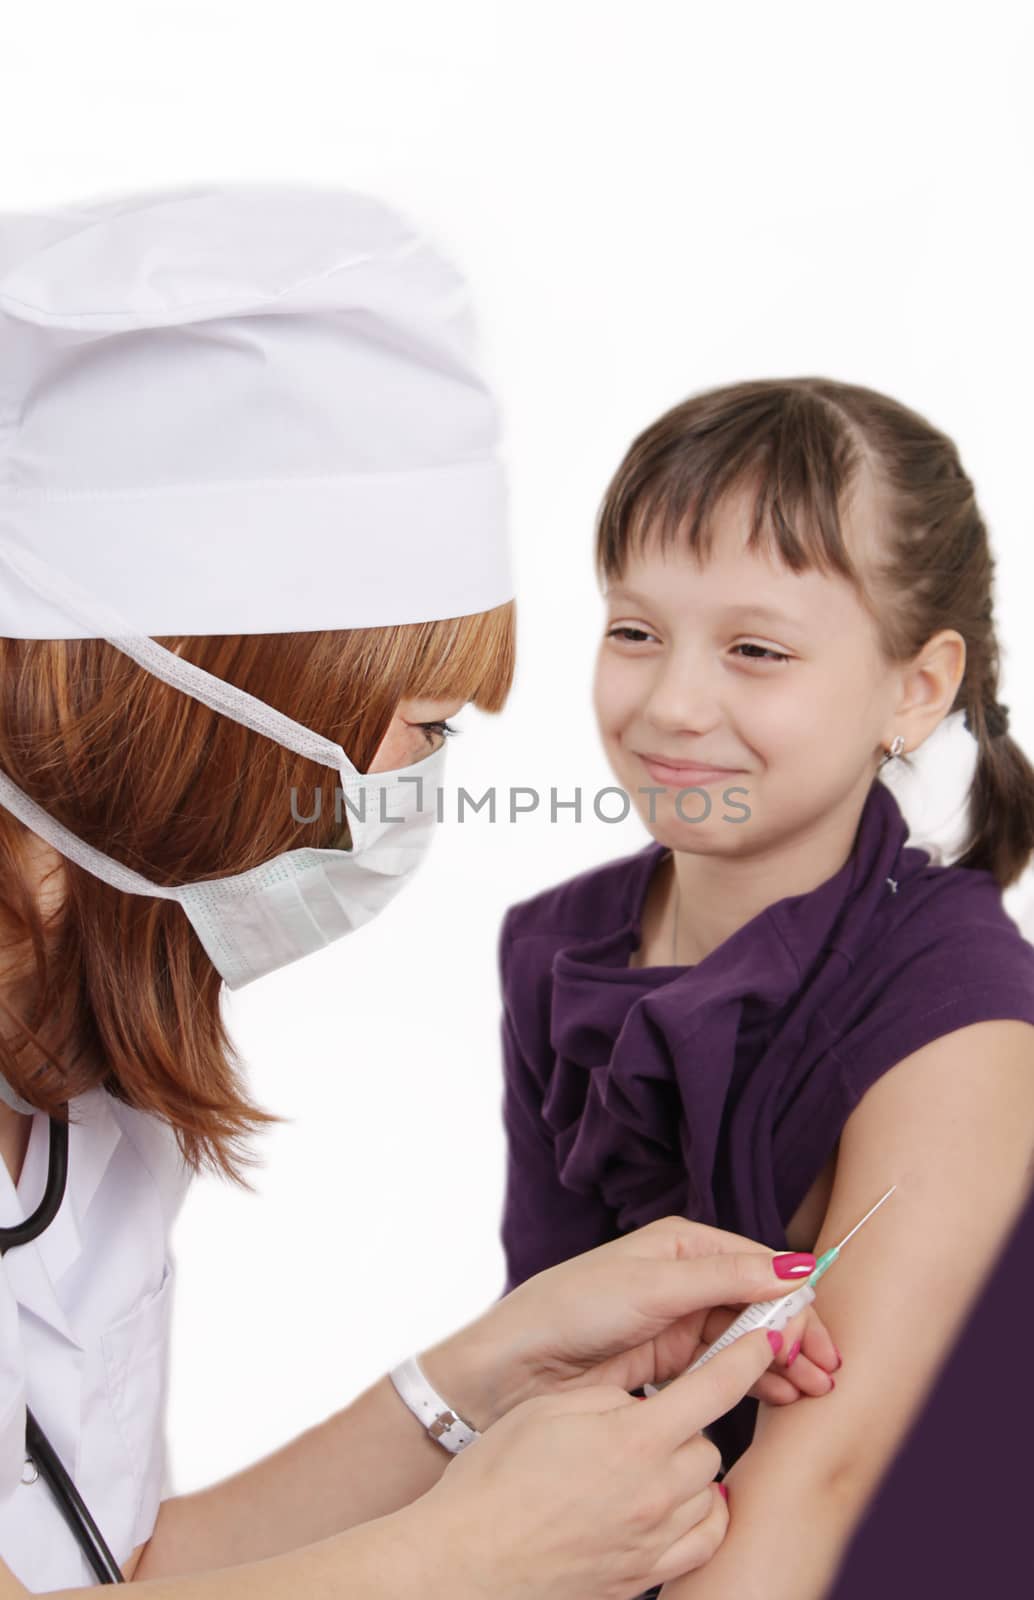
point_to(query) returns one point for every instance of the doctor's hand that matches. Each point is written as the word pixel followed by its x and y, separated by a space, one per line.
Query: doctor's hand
pixel 588 1493
pixel 637 1310
pixel 805 1365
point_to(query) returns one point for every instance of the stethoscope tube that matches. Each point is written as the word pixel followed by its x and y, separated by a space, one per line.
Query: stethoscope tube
pixel 38 1447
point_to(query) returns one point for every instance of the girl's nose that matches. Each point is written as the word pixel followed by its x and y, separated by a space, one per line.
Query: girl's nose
pixel 681 699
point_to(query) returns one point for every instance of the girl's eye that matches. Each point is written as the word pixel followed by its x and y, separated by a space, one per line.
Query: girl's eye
pixel 444 729
pixel 633 635
pixel 774 655
pixel 637 635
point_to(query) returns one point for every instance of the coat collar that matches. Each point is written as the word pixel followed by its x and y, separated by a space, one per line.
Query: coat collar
pixel 33 1270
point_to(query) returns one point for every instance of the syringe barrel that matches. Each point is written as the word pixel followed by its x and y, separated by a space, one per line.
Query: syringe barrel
pixel 769 1314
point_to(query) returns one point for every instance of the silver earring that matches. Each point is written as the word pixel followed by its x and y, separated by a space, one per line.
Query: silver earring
pixel 895 749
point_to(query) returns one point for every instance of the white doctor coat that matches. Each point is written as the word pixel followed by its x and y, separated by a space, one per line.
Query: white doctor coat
pixel 84 1336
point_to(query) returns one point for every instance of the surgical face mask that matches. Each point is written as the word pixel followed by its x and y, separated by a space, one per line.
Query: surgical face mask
pixel 299 901
pixel 254 922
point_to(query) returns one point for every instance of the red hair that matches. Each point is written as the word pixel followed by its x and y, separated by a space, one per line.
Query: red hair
pixel 114 988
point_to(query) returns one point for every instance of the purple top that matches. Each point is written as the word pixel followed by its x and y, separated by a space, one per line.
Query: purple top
pixel 719 1091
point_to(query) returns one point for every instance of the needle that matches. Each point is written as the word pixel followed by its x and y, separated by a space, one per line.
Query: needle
pixel 827 1259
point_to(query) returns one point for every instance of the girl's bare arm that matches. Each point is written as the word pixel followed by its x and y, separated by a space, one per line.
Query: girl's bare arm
pixel 953 1126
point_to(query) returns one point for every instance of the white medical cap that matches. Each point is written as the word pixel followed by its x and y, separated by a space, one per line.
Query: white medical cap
pixel 240 408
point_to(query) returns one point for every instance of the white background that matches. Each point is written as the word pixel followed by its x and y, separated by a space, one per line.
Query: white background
pixel 649 198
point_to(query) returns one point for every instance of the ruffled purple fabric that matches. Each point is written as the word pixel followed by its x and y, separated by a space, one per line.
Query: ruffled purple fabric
pixel 718 1092
pixel 706 1091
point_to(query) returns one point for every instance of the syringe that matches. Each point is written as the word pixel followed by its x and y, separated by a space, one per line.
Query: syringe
pixel 775 1314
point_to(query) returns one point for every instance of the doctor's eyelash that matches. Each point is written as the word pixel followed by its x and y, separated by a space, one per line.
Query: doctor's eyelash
pixel 444 728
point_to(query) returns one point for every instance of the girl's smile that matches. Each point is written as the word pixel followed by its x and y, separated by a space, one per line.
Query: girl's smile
pixel 679 775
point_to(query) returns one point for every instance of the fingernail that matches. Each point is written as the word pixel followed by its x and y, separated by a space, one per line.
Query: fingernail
pixel 775 1340
pixel 794 1352
pixel 832 1383
pixel 723 1491
pixel 840 1359
pixel 797 1264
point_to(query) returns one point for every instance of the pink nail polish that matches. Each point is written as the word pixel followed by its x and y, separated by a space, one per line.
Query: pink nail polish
pixel 775 1340
pixel 723 1491
pixel 796 1264
pixel 794 1353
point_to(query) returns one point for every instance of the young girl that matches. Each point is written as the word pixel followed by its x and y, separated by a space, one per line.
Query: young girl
pixel 778 1009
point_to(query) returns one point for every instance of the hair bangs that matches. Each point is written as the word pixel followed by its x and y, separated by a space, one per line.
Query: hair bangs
pixel 788 455
pixel 467 658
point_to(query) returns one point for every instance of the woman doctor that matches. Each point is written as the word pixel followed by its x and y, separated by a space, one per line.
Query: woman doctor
pixel 247 420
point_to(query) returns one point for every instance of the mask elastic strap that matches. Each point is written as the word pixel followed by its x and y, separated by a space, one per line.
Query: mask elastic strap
pixel 75 849
pixel 213 692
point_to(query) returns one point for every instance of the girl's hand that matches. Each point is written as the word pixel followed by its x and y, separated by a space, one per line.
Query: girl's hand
pixel 804 1366
pixel 588 1493
pixel 630 1312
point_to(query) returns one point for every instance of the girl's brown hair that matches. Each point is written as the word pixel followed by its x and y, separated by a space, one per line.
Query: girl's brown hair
pixel 115 988
pixel 801 445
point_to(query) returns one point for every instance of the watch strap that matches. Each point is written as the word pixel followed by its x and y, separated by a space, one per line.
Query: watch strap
pixel 429 1408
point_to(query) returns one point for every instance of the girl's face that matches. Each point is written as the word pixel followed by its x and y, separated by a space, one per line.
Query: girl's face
pixel 745 666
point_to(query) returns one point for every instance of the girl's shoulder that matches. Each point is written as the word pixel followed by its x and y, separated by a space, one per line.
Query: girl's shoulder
pixel 957 917
pixel 947 954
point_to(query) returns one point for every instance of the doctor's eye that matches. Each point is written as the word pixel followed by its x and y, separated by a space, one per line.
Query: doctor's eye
pixel 431 728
